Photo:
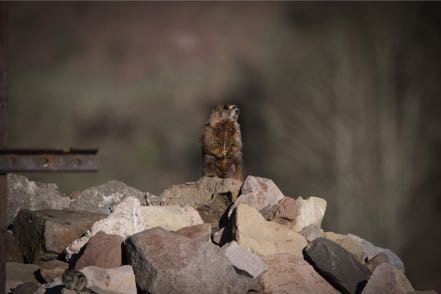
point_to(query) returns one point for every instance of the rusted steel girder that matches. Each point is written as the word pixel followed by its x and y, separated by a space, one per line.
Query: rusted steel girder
pixel 39 160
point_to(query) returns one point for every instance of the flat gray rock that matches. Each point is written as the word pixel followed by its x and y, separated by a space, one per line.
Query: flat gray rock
pixel 245 262
pixel 26 194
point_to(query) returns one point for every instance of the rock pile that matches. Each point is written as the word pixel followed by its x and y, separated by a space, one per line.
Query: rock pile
pixel 210 236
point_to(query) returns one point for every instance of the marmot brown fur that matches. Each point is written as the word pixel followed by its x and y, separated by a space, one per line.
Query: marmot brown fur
pixel 222 144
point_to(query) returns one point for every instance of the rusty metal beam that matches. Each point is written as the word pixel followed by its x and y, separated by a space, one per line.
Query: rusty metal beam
pixel 38 160
pixel 3 137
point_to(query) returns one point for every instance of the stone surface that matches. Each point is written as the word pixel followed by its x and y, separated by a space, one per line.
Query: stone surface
pixel 13 251
pixel 291 274
pixel 311 233
pixel 104 198
pixel 370 250
pixel 47 232
pixel 200 232
pixel 258 193
pixel 53 269
pixel 19 273
pixel 337 265
pixel 252 231
pixel 285 211
pixel 386 279
pixel 201 192
pixel 117 280
pixel 214 211
pixel 350 244
pixel 26 194
pixel 377 260
pixel 165 262
pixel 245 262
pixel 310 211
pixel 129 217
pixel 54 287
pixel 102 250
pixel 26 288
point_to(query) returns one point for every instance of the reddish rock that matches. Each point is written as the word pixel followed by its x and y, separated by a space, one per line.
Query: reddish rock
pixel 386 279
pixel 53 269
pixel 286 211
pixel 291 274
pixel 200 232
pixel 102 250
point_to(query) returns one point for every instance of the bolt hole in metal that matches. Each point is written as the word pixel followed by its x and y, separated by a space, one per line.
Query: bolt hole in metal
pixel 44 162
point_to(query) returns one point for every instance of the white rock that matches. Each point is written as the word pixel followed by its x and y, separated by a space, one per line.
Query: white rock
pixel 129 217
pixel 263 237
pixel 310 211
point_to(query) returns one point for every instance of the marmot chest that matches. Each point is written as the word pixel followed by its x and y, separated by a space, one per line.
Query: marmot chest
pixel 225 138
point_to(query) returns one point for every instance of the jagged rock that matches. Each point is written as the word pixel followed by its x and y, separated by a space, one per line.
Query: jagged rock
pixel 26 288
pixel 26 194
pixel 291 274
pixel 129 217
pixel 337 265
pixel 13 251
pixel 117 280
pixel 252 231
pixel 311 233
pixel 285 212
pixel 47 232
pixel 259 193
pixel 53 269
pixel 387 279
pixel 309 211
pixel 214 211
pixel 102 250
pixel 350 244
pixel 165 262
pixel 377 260
pixel 370 250
pixel 104 198
pixel 201 192
pixel 200 232
pixel 245 262
pixel 19 273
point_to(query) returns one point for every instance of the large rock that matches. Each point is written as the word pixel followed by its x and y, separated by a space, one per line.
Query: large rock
pixel 337 265
pixel 45 233
pixel 311 233
pixel 370 250
pixel 245 262
pixel 214 211
pixel 102 250
pixel 53 269
pixel 26 288
pixel 259 193
pixel 291 274
pixel 201 192
pixel 105 197
pixel 263 237
pixel 200 232
pixel 165 262
pixel 129 217
pixel 350 244
pixel 285 212
pixel 13 251
pixel 26 194
pixel 387 279
pixel 118 280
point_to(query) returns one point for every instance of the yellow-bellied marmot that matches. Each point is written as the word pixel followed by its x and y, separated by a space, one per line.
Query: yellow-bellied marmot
pixel 222 144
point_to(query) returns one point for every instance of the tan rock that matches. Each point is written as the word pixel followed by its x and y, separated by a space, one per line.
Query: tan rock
pixel 118 280
pixel 263 237
pixel 310 211
pixel 291 274
pixel 200 232
pixel 53 269
pixel 387 279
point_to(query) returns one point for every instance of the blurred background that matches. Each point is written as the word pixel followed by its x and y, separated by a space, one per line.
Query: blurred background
pixel 340 101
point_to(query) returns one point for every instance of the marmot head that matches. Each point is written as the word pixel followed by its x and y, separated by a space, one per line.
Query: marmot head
pixel 224 112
